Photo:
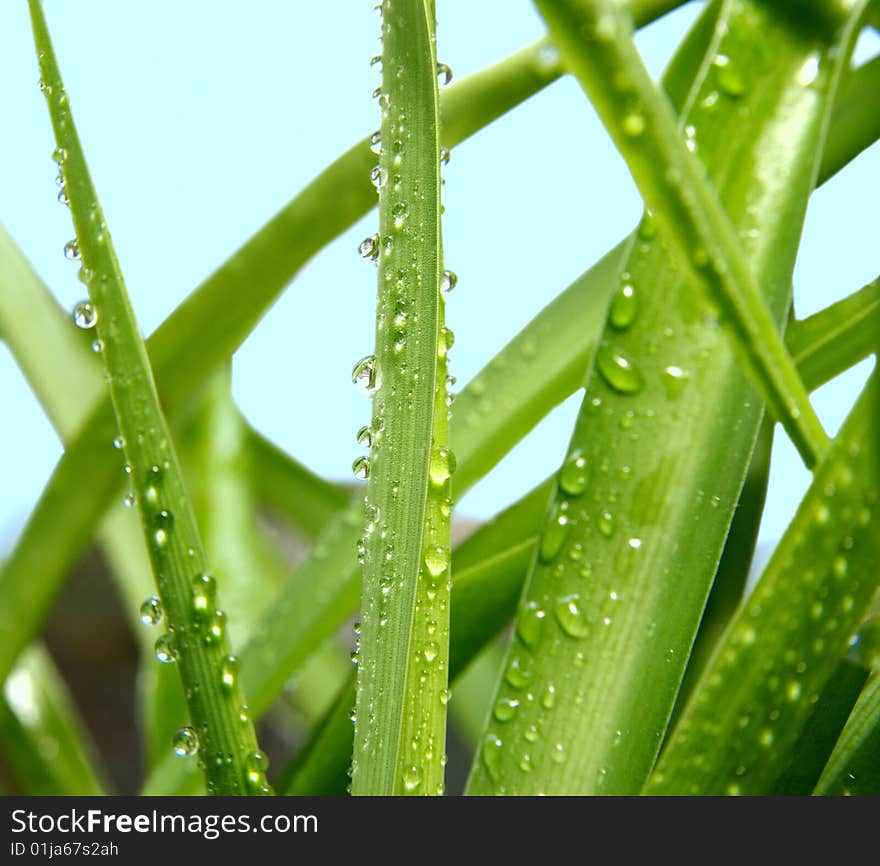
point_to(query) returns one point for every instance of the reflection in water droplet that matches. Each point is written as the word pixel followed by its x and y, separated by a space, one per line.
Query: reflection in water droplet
pixel 571 616
pixel 361 468
pixel 619 371
pixel 365 374
pixel 185 742
pixel 85 315
pixel 575 474
pixel 444 73
pixel 71 251
pixel 151 611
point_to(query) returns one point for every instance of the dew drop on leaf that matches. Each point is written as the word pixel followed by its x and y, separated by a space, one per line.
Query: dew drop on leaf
pixel 71 251
pixel 574 475
pixel 166 649
pixel 185 742
pixel 85 315
pixel 619 371
pixel 151 611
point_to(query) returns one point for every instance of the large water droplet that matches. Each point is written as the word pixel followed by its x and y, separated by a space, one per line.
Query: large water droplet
pixel 151 611
pixel 575 474
pixel 530 624
pixel 571 616
pixel 491 755
pixel 624 307
pixel 444 74
pixel 505 709
pixel 441 466
pixel 369 247
pixel 412 779
pixel 437 560
pixel 365 374
pixel 185 742
pixel 619 371
pixel 729 79
pixel 71 251
pixel 376 142
pixel 85 315
pixel 448 281
pixel 361 468
pixel 555 534
pixel 365 437
pixel 166 649
pixel 378 177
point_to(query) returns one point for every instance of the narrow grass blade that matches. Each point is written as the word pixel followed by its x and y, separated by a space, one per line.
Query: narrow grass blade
pixel 223 736
pixel 659 454
pixel 596 40
pixel 404 642
pixel 42 740
pixel 820 732
pixel 836 338
pixel 853 766
pixel 740 726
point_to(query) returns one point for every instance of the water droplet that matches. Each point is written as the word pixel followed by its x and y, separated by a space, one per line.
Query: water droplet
pixel 185 742
pixel 548 699
pixel 119 443
pixel 624 307
pixel 690 137
pixel 229 673
pixel 445 155
pixel 85 315
pixel 163 524
pixel 376 142
pixel 378 177
pixel 71 251
pixel 166 649
pixel 129 500
pixel 365 374
pixel 97 346
pixel 431 650
pixel 361 468
pixel 441 466
pixel 365 437
pixel 575 474
pixel 59 155
pixel 412 778
pixel 399 211
pixel 437 560
pixel 63 198
pixel 445 696
pixel 729 79
pixel 151 611
pixel 444 74
pixel 555 534
pixel 369 248
pixel 448 281
pixel 517 673
pixel 809 71
pixel 558 754
pixel 674 380
pixel 570 614
pixel 505 709
pixel 491 756
pixel 619 371
pixel 529 624
pixel 376 60
pixel 606 524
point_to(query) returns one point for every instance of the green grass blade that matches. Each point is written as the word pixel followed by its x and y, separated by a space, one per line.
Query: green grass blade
pixel 292 492
pixel 853 766
pixel 654 448
pixel 596 40
pixel 836 338
pixel 42 740
pixel 856 121
pixel 403 647
pixel 820 732
pixel 225 741
pixel 738 731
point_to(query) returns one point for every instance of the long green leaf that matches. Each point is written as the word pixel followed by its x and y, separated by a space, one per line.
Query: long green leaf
pixel 664 437
pixel 854 766
pixel 223 737
pixel 743 720
pixel 404 643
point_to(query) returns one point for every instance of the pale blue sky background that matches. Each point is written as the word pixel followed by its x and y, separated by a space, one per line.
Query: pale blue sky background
pixel 201 119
